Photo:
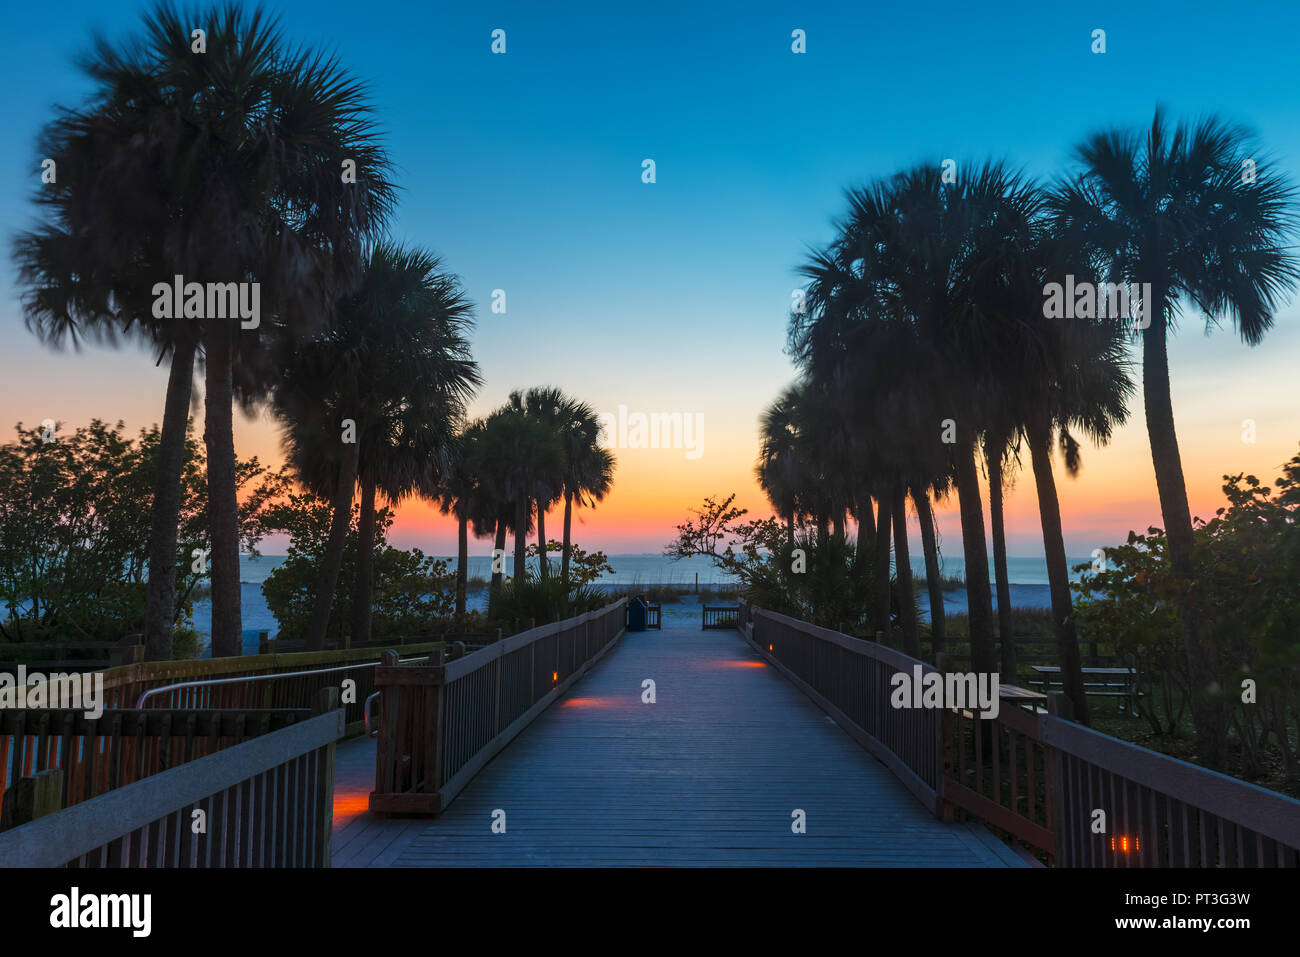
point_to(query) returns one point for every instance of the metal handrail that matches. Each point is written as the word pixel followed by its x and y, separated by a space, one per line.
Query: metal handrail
pixel 279 674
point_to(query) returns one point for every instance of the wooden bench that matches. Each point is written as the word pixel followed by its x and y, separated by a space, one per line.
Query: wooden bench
pixel 1102 685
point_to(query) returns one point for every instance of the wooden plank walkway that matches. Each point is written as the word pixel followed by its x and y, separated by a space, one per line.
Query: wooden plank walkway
pixel 709 774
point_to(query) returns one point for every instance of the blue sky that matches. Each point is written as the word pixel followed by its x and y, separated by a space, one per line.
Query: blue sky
pixel 523 171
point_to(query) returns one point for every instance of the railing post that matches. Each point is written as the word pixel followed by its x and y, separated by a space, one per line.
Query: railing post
pixel 31 798
pixel 1059 706
pixel 409 760
pixel 327 700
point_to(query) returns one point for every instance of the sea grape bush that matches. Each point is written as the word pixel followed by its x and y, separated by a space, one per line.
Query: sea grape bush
pixel 74 530
pixel 412 592
pixel 1248 580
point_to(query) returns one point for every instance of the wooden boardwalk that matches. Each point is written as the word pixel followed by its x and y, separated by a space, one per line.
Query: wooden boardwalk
pixel 710 774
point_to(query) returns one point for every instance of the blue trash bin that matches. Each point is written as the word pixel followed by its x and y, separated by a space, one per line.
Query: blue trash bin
pixel 637 612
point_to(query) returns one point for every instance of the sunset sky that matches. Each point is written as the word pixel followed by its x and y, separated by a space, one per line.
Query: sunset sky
pixel 523 171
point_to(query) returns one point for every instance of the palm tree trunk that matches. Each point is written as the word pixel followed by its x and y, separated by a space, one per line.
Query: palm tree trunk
pixel 1058 573
pixel 363 596
pixel 522 508
pixel 327 578
pixel 160 611
pixel 934 585
pixel 837 524
pixel 462 564
pixel 979 601
pixel 1207 707
pixel 789 529
pixel 1006 635
pixel 223 505
pixel 902 559
pixel 541 540
pixel 866 535
pixel 568 542
pixel 882 566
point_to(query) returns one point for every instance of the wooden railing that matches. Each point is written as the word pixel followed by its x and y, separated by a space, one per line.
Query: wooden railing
pixel 439 724
pixel 1046 778
pixel 71 656
pixel 849 679
pixel 265 802
pixel 97 755
pixel 1037 779
pixel 124 686
pixel 720 616
pixel 281 646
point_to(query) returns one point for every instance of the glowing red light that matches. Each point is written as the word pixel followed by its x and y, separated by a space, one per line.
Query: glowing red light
pixel 555 676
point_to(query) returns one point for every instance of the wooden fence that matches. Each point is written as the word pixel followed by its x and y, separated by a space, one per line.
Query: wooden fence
pixel 97 755
pixel 849 679
pixel 124 686
pixel 439 724
pixel 1035 778
pixel 266 802
pixel 70 656
pixel 719 616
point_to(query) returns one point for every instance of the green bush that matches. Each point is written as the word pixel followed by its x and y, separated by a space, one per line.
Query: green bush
pixel 413 593
pixel 545 600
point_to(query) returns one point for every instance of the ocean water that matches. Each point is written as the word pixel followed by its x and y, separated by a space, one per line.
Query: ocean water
pixel 1028 578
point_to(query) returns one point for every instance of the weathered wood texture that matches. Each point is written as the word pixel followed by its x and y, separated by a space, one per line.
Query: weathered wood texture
pixel 265 802
pixel 253 681
pixel 98 755
pixel 709 774
pixel 1036 778
pixel 440 724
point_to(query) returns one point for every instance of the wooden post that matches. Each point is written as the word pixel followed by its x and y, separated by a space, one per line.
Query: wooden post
pixel 31 798
pixel 409 756
pixel 327 700
pixel 1059 705
pixel 948 726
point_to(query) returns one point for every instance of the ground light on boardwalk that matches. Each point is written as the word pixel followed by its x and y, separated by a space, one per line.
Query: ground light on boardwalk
pixel 707 775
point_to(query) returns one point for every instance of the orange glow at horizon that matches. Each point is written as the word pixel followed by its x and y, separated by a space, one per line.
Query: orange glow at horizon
pixel 1218 385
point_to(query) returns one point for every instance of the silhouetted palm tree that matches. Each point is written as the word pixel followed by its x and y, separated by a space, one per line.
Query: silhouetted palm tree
pixel 516 452
pixel 1193 212
pixel 212 168
pixel 461 495
pixel 377 398
pixel 587 470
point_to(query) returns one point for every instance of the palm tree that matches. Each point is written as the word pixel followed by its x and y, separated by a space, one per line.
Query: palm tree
pixel 781 470
pixel 514 453
pixel 999 455
pixel 195 166
pixel 587 470
pixel 933 575
pixel 903 280
pixel 384 386
pixel 947 251
pixel 1182 210
pixel 460 494
pixel 410 443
